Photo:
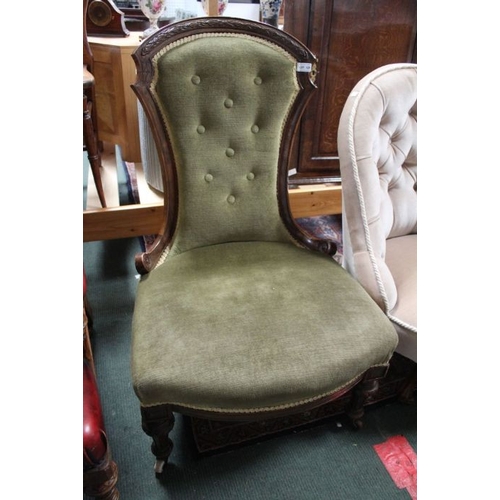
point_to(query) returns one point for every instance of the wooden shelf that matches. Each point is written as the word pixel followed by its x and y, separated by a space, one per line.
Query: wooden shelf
pixel 315 199
pixel 145 218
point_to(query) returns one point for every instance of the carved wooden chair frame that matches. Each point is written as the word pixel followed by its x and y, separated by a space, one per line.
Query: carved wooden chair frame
pixel 158 421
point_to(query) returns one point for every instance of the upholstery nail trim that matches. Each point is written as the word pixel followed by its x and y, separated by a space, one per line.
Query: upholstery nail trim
pixel 268 408
pixel 357 96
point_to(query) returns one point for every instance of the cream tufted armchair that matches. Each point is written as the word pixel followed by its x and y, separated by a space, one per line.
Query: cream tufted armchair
pixel 238 314
pixel 377 141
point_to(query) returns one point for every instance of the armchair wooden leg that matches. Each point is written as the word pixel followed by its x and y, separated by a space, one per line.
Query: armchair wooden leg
pixel 363 392
pixel 360 394
pixel 157 422
pixel 406 394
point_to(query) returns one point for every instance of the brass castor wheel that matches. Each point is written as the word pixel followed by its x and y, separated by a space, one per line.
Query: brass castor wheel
pixel 159 467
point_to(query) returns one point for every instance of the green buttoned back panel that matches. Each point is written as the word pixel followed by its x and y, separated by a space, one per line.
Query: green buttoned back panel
pixel 234 317
pixel 225 124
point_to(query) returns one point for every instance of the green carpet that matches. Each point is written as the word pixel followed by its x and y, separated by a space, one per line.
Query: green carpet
pixel 327 461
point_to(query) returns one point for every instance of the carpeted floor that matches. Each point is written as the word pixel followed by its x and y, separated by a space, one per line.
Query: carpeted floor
pixel 328 460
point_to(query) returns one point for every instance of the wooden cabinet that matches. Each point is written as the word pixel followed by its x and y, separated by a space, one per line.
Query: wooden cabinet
pixel 116 103
pixel 350 39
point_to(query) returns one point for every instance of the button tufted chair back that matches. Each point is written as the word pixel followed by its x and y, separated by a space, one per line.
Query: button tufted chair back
pixel 238 314
pixel 225 104
pixel 378 159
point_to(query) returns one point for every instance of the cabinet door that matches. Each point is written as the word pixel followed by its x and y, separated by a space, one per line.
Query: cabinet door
pixel 350 39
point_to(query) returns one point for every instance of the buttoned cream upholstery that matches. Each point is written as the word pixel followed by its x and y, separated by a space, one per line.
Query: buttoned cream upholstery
pixel 377 140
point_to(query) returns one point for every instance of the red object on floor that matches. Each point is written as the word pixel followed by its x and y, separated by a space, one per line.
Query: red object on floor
pixel 94 440
pixel 400 460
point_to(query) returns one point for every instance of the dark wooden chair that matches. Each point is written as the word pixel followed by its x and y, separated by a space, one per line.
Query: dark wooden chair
pixel 239 315
pixel 90 139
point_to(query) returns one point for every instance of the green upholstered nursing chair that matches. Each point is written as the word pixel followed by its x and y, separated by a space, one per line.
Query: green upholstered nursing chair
pixel 238 314
pixel 377 140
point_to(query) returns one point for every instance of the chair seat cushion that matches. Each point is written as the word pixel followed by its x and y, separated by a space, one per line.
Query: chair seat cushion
pixel 232 328
pixel 401 259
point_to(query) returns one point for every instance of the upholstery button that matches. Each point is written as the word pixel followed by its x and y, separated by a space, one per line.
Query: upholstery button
pixel 200 129
pixel 250 176
pixel 255 128
pixel 257 80
pixel 231 199
pixel 209 177
pixel 230 152
pixel 228 103
pixel 195 80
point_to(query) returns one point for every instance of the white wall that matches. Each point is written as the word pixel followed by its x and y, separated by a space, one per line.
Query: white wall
pixel 172 6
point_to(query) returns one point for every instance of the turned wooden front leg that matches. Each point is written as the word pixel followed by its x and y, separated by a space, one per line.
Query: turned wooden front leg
pixel 362 392
pixel 157 422
pixel 407 392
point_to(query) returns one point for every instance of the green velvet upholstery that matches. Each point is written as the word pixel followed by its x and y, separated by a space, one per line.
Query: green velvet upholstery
pixel 252 325
pixel 237 313
pixel 225 123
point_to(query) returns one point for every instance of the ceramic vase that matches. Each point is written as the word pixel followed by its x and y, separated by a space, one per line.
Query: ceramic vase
pixel 222 4
pixel 270 10
pixel 152 9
